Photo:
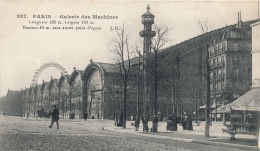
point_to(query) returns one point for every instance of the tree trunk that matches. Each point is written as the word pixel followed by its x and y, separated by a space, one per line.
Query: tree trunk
pixel 124 118
pixel 215 108
pixel 207 125
pixel 196 109
pixel 155 83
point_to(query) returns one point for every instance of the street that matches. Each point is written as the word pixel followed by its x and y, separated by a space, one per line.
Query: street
pixel 21 134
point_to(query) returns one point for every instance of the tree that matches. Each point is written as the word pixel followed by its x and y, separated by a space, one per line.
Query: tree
pixel 157 43
pixel 156 69
pixel 204 28
pixel 121 49
pixel 64 94
pixel 77 93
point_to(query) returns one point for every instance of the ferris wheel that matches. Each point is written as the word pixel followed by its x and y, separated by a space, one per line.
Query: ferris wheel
pixel 45 66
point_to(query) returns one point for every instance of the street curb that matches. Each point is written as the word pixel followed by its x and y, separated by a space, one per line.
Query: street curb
pixel 226 144
pixel 205 142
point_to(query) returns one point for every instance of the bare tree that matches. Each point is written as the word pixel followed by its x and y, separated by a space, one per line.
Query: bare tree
pixel 77 94
pixel 204 28
pixel 64 93
pixel 121 49
pixel 156 70
pixel 157 43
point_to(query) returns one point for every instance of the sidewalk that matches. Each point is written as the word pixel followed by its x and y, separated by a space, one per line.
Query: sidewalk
pixel 217 137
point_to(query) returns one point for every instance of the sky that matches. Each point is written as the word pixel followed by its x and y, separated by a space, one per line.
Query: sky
pixel 23 50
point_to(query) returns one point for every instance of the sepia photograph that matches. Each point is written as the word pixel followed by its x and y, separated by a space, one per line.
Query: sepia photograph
pixel 115 75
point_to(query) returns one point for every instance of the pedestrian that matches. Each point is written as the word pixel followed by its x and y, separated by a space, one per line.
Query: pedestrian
pixel 159 115
pixel 85 115
pixel 27 115
pixel 183 123
pixel 55 116
pixel 180 120
pixel 189 126
pixel 155 123
pixel 170 124
pixel 145 123
pixel 137 122
pixel 120 123
pixel 175 122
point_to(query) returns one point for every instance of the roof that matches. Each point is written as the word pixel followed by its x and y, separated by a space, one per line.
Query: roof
pixel 109 68
pixel 13 93
pixel 81 72
pixel 208 34
pixel 248 101
pixel 148 13
pixel 74 74
pixel 67 77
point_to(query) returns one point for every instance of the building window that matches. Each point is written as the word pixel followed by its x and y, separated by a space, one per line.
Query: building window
pixel 211 63
pixel 211 52
pixel 211 76
pixel 215 51
pixel 214 75
pixel 234 59
pixel 222 60
pixel 214 62
pixel 223 73
pixel 219 49
pixel 221 86
pixel 219 60
pixel 219 73
pixel 235 72
pixel 214 87
pixel 224 47
pixel 235 46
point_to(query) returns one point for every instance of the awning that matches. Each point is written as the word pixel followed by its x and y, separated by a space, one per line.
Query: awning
pixel 249 101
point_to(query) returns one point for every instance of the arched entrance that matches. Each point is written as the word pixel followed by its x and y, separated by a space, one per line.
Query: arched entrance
pixel 93 90
pixel 95 95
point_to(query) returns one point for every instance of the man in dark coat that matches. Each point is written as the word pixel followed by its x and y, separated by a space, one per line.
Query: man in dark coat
pixel 175 122
pixel 55 117
pixel 137 122
pixel 189 123
pixel 183 123
pixel 85 115
pixel 155 123
pixel 145 123
pixel 120 123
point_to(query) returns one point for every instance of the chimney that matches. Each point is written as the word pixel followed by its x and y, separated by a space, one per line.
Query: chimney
pixel 237 18
pixel 240 17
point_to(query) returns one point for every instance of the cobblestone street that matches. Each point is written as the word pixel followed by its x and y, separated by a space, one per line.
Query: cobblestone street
pixel 77 135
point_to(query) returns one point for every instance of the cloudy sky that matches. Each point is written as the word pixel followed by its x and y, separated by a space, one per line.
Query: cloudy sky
pixel 24 50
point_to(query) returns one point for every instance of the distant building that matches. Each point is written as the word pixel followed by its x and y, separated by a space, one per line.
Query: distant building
pixel 230 63
pixel 12 103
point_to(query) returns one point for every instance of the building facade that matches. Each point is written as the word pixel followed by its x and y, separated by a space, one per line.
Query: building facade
pixel 230 64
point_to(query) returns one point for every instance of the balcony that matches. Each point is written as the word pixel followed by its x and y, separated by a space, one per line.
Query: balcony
pixel 220 65
pixel 146 33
